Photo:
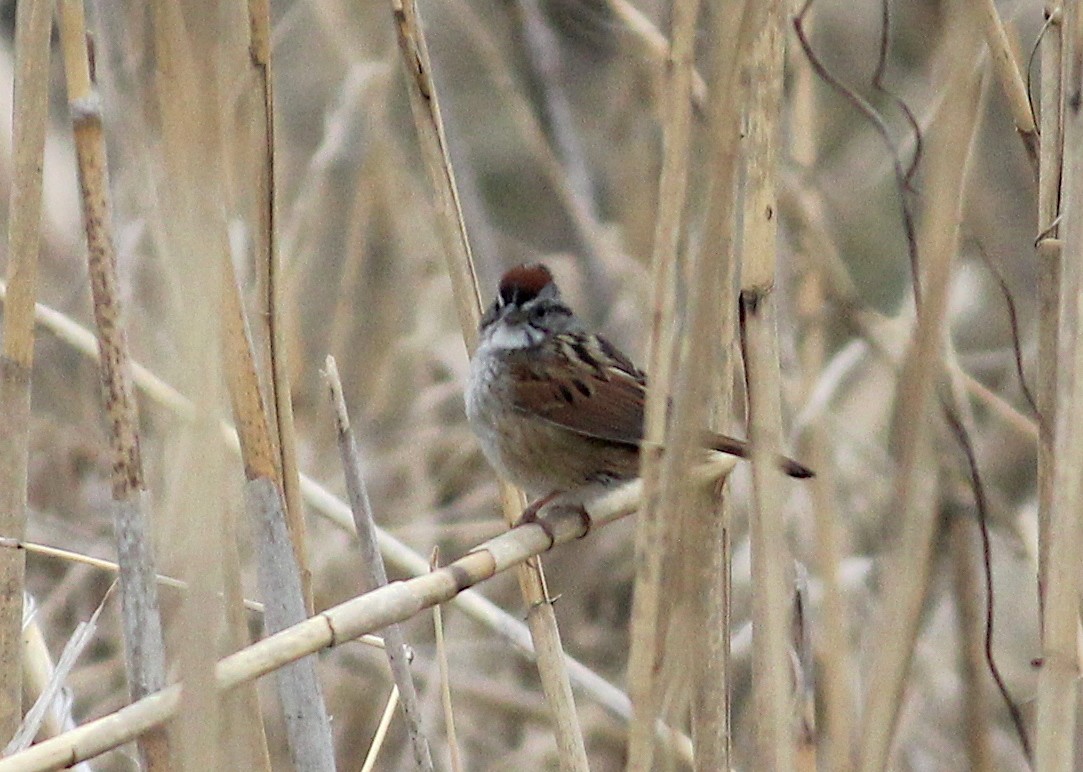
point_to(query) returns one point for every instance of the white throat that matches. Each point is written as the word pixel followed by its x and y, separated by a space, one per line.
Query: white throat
pixel 507 337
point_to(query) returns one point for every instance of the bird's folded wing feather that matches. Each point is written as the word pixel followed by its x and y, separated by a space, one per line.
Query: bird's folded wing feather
pixel 603 399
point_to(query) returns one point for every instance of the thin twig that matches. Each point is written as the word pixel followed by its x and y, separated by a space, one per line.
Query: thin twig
pixel 375 575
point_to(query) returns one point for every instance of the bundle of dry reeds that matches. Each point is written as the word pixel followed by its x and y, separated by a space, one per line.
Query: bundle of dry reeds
pixel 247 248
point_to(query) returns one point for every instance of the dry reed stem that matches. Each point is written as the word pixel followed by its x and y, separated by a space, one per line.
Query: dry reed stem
pixel 772 698
pixel 649 614
pixel 339 624
pixel 475 606
pixel 144 649
pixel 907 567
pixel 373 571
pixel 1050 162
pixel 45 550
pixel 1011 79
pixel 541 620
pixel 269 265
pixel 33 24
pixel 1059 676
pixel 454 754
pixel 307 723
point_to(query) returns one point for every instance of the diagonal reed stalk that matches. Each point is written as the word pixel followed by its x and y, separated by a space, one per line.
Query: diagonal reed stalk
pixel 451 228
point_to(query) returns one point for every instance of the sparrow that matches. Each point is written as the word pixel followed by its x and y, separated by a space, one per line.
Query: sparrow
pixel 557 408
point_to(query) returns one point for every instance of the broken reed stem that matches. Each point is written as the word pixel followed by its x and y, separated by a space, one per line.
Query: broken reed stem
pixel 914 497
pixel 772 690
pixel 144 649
pixel 347 621
pixel 424 105
pixel 1058 680
pixel 308 726
pixel 372 567
pixel 33 24
pixel 648 619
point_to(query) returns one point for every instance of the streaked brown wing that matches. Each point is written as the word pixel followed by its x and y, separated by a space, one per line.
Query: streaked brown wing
pixel 603 400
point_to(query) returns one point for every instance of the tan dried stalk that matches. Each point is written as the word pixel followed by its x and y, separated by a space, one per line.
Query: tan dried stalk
pixel 144 649
pixel 451 228
pixel 33 24
pixel 272 310
pixel 661 511
pixel 1059 676
pixel 1050 161
pixel 771 596
pixel 906 572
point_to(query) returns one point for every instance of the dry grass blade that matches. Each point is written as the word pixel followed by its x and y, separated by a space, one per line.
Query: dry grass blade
pixel 907 572
pixel 47 704
pixel 270 272
pixel 398 657
pixel 381 731
pixel 1058 680
pixel 144 648
pixel 31 98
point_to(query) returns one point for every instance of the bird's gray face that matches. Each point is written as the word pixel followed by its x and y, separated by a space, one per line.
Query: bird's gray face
pixel 526 311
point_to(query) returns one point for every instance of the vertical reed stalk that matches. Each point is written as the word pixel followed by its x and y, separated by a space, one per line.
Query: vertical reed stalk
pixel 451 229
pixel 649 612
pixel 33 23
pixel 1058 681
pixel 144 648
pixel 771 597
